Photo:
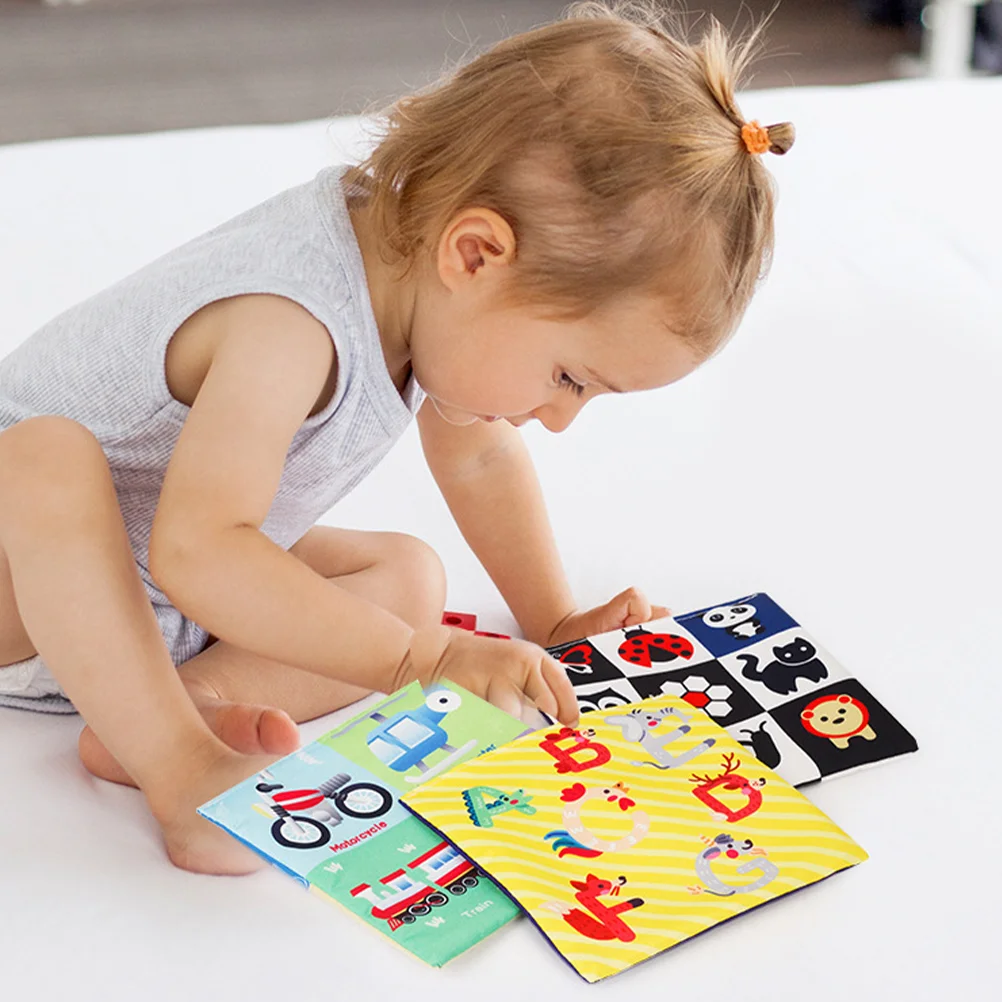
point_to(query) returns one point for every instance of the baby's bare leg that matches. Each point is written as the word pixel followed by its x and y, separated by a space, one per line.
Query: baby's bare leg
pixel 84 608
pixel 232 687
pixel 398 572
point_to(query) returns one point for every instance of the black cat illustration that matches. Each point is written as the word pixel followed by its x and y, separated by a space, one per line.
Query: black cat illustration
pixel 795 660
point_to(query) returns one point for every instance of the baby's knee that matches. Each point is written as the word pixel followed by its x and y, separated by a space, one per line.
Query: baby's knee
pixel 420 575
pixel 47 463
pixel 48 448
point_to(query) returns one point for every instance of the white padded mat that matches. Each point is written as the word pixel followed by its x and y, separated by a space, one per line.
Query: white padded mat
pixel 842 454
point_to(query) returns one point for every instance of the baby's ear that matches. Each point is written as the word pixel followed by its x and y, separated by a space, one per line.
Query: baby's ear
pixel 474 237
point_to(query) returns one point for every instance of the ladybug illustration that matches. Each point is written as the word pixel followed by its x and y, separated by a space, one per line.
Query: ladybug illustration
pixel 641 647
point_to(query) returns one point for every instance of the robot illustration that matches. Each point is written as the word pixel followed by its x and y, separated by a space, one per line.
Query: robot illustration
pixel 405 897
pixel 296 829
pixel 406 739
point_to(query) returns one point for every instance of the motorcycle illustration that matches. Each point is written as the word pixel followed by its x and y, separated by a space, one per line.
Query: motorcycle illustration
pixel 305 817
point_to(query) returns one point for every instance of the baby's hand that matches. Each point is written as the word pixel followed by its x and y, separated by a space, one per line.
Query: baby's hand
pixel 501 671
pixel 628 608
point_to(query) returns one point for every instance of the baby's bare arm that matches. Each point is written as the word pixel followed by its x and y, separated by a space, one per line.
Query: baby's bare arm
pixel 207 552
pixel 488 480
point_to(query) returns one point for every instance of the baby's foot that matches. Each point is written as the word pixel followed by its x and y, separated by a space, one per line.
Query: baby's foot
pixel 247 728
pixel 192 842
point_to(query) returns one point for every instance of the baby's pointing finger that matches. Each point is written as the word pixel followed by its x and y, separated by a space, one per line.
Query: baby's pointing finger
pixel 536 688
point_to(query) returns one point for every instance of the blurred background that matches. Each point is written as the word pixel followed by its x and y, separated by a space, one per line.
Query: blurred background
pixel 95 67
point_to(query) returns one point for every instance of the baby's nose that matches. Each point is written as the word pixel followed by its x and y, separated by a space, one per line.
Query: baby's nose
pixel 555 423
pixel 557 418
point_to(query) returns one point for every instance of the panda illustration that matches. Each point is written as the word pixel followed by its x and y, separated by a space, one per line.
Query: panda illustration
pixel 738 620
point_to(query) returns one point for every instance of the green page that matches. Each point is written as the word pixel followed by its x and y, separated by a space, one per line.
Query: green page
pixel 329 815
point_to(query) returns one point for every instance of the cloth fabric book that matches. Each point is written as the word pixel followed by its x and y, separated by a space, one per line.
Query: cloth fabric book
pixel 641 828
pixel 754 670
pixel 329 816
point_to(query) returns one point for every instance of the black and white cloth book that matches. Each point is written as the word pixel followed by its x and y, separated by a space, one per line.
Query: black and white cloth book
pixel 754 670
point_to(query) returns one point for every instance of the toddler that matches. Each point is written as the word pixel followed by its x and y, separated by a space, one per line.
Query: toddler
pixel 581 210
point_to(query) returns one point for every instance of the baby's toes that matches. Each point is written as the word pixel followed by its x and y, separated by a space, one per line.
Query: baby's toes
pixel 254 730
pixel 277 732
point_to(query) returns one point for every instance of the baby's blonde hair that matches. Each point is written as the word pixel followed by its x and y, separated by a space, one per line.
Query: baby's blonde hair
pixel 612 145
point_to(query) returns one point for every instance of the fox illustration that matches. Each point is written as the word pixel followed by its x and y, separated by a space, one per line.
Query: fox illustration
pixel 604 921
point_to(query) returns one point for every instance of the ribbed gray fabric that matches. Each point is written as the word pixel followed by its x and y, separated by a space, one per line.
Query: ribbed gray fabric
pixel 102 364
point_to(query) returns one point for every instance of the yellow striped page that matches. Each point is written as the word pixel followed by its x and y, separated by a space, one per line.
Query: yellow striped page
pixel 642 827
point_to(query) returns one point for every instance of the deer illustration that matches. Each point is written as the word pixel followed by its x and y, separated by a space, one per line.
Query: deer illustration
pixel 729 780
pixel 603 922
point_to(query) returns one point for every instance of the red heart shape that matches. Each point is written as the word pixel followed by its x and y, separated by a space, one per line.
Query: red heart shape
pixel 583 649
pixel 575 792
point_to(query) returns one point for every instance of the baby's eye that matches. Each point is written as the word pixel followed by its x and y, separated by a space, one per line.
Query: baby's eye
pixel 569 384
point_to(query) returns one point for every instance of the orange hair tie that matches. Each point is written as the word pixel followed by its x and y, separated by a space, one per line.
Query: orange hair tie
pixel 756 138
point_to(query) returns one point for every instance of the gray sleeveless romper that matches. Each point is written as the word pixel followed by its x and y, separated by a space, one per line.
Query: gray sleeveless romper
pixel 102 364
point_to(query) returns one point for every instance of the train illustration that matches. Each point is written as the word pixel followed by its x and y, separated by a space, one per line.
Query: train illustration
pixel 304 817
pixel 405 897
